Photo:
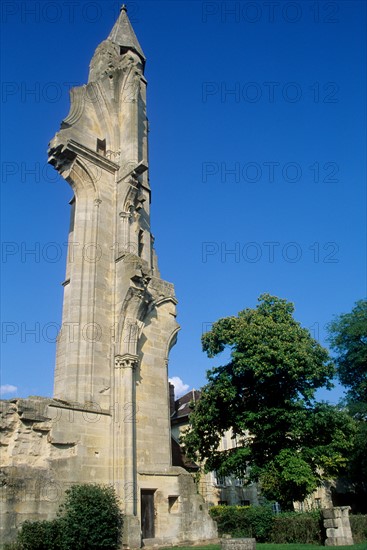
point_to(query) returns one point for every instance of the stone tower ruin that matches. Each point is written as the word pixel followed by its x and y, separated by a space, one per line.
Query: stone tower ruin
pixel 109 420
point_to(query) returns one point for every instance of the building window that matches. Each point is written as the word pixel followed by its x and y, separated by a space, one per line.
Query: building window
pixel 222 502
pixel 219 480
pixel 173 504
pixel 276 507
pixel 101 147
pixel 245 503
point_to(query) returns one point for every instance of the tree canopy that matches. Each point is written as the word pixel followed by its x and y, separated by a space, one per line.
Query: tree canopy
pixel 348 339
pixel 265 395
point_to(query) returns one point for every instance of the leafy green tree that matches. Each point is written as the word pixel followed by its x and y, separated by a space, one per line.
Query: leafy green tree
pixel 265 394
pixel 348 339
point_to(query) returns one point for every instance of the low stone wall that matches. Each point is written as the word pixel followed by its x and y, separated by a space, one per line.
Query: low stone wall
pixel 337 525
pixel 238 544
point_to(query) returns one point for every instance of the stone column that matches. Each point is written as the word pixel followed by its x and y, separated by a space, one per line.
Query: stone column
pixel 126 437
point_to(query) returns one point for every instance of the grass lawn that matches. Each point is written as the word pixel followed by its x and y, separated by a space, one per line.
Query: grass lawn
pixel 259 546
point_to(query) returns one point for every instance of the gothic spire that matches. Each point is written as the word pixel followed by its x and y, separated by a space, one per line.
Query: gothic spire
pixel 123 34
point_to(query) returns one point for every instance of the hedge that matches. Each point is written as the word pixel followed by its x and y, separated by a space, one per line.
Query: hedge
pixel 243 521
pixel 297 527
pixel 261 523
pixel 358 525
pixel 283 528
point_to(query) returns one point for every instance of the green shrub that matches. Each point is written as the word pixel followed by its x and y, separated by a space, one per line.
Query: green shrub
pixel 40 535
pixel 92 518
pixel 297 527
pixel 358 524
pixel 243 521
pixel 89 519
pixel 259 522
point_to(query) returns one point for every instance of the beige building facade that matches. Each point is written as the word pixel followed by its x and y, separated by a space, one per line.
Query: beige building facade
pixel 109 420
pixel 215 489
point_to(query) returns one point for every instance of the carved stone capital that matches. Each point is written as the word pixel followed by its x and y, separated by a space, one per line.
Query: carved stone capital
pixel 126 361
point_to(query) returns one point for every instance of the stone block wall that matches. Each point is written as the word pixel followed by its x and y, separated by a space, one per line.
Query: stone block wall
pixel 238 544
pixel 337 525
pixel 46 447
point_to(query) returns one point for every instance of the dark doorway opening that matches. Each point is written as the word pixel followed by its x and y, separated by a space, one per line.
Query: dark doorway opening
pixel 147 513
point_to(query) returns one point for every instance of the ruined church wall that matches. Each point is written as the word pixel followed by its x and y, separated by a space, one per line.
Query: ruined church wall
pixel 46 447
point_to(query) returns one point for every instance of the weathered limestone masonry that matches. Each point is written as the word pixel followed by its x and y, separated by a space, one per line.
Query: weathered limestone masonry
pixel 109 421
pixel 46 446
pixel 337 525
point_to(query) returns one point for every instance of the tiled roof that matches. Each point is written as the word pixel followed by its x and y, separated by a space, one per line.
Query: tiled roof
pixel 182 406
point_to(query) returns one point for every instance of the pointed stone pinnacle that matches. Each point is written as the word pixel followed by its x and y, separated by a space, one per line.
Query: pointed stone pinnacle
pixel 123 34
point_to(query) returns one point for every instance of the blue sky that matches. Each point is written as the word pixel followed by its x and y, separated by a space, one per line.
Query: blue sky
pixel 257 163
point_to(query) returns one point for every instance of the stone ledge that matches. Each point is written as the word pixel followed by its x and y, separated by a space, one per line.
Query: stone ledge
pixel 78 407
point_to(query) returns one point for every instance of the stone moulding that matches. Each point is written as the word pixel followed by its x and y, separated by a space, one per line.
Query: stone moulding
pixel 84 152
pixel 80 407
pixel 77 105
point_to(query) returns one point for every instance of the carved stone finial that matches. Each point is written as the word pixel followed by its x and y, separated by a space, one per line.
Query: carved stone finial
pixel 123 8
